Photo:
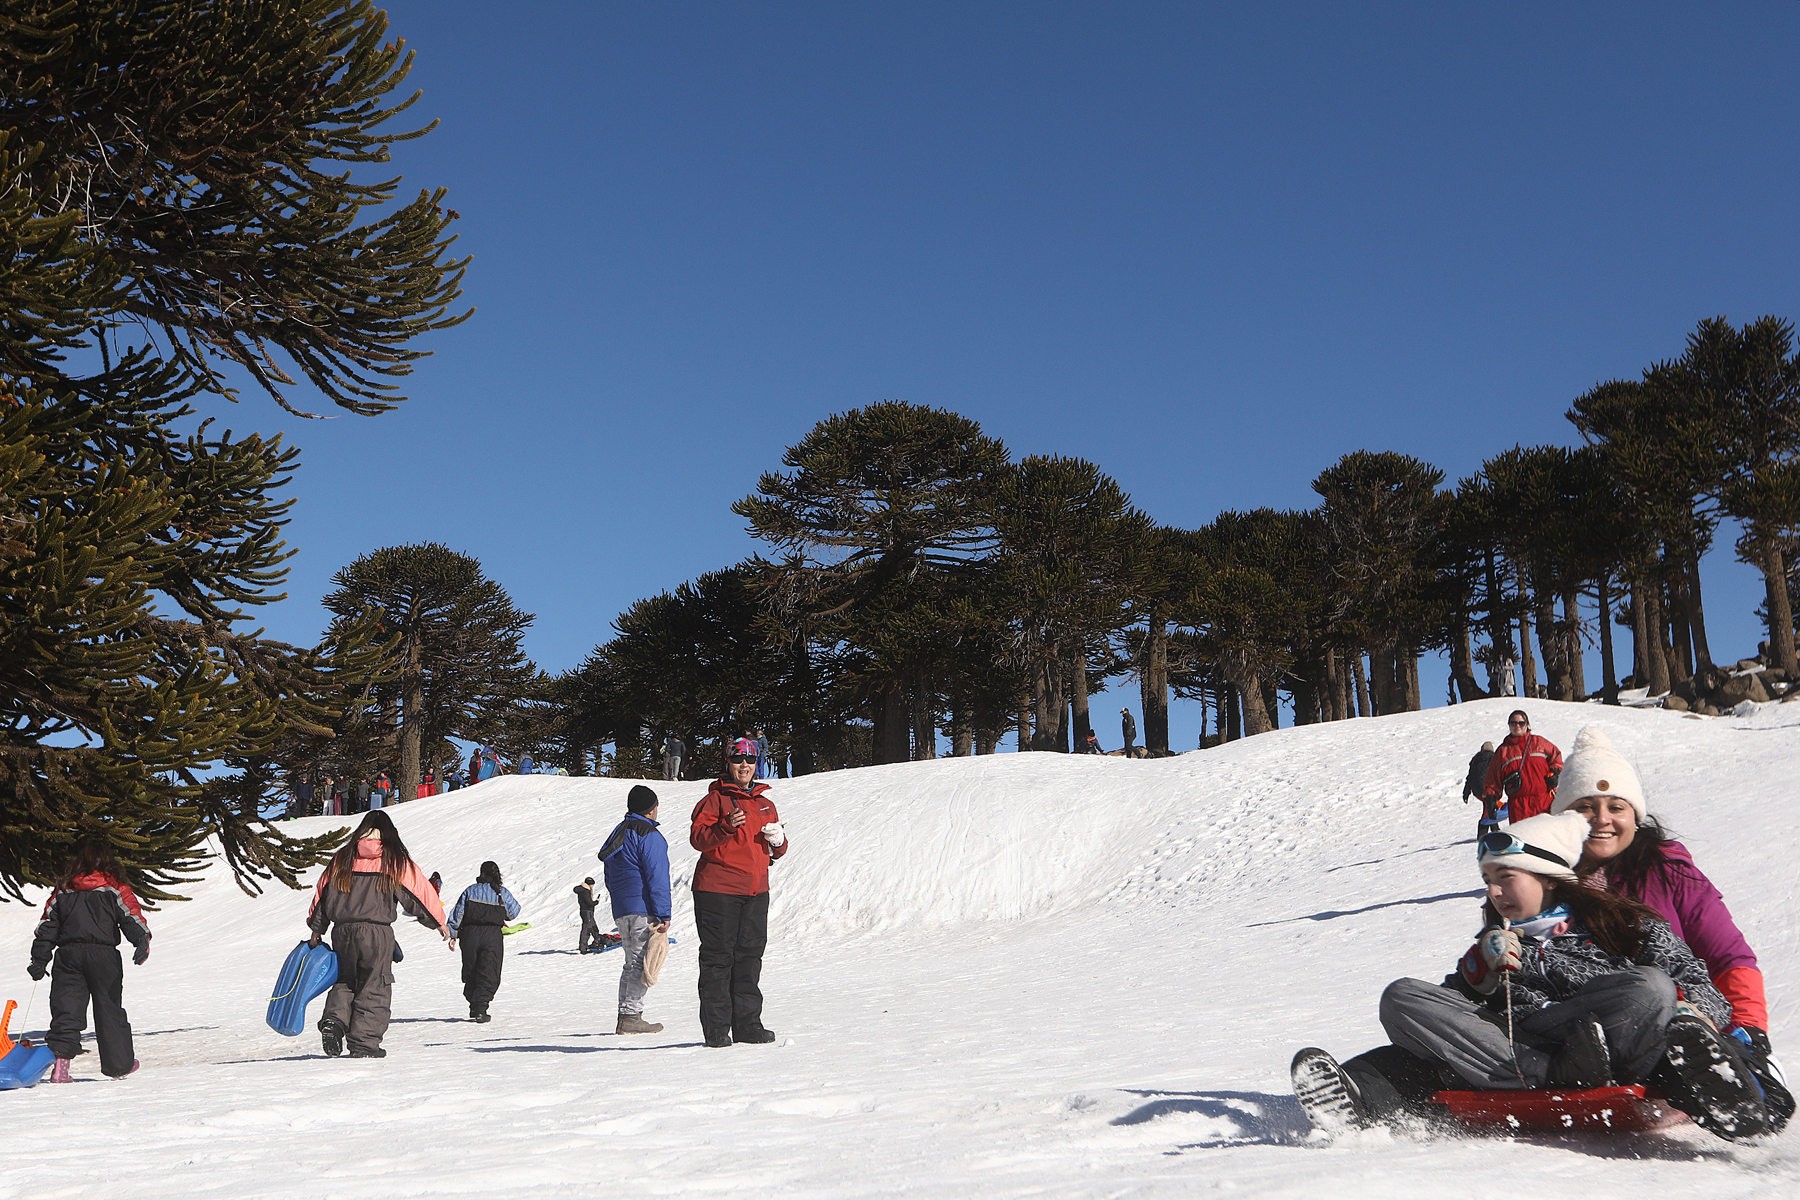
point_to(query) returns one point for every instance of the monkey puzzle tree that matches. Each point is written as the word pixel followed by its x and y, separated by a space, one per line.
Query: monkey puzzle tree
pixel 182 171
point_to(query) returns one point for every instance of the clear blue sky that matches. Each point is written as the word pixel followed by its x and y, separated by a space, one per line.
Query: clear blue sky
pixel 1210 248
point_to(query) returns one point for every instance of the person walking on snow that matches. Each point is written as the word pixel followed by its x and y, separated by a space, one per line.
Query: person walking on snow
pixel 590 929
pixel 1525 768
pixel 1478 765
pixel 484 907
pixel 360 892
pixel 1128 728
pixel 637 877
pixel 738 834
pixel 673 750
pixel 82 921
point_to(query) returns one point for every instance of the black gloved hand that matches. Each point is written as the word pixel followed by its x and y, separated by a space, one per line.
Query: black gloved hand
pixel 1550 778
pixel 35 970
pixel 143 952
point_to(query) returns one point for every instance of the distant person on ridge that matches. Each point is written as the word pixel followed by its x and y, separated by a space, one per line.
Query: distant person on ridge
pixel 637 876
pixel 1091 745
pixel 738 834
pixel 1478 765
pixel 673 751
pixel 1128 728
pixel 1525 768
pixel 764 768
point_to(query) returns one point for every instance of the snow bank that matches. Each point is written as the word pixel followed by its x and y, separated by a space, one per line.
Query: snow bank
pixel 1021 974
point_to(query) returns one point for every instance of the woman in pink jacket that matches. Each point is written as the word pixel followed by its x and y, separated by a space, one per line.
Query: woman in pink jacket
pixel 360 891
pixel 1629 852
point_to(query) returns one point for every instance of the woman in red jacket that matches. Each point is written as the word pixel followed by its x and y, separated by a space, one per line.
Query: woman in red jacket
pixel 738 834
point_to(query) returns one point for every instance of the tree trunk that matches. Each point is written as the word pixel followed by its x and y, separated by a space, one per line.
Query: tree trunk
pixel 1409 661
pixel 1271 705
pixel 1462 661
pixel 1552 645
pixel 1234 728
pixel 1499 633
pixel 412 703
pixel 1696 610
pixel 1680 647
pixel 1083 719
pixel 1256 716
pixel 1024 726
pixel 1781 614
pixel 891 724
pixel 1609 675
pixel 924 719
pixel 1306 692
pixel 1571 602
pixel 1362 686
pixel 1155 689
pixel 1640 639
pixel 1657 658
pixel 802 738
pixel 1526 661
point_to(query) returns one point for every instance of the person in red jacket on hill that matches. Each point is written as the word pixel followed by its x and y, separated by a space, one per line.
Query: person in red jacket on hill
pixel 738 834
pixel 1526 767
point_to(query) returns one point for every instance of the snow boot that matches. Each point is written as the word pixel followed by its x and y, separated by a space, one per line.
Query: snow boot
pixel 377 1052
pixel 1583 1061
pixel 1328 1096
pixel 718 1040
pixel 635 1023
pixel 60 1072
pixel 331 1037
pixel 134 1067
pixel 755 1035
pixel 1709 1081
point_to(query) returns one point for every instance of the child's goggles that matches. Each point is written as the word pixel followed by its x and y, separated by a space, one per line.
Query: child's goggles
pixel 1498 843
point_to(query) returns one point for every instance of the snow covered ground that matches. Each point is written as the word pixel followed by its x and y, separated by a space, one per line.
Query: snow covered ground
pixel 1005 976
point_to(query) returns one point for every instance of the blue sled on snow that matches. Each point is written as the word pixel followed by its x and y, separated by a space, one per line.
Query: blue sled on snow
pixel 21 1063
pixel 308 971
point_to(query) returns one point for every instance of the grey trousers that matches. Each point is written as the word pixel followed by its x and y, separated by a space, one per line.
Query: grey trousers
pixel 362 999
pixel 1633 1006
pixel 634 936
pixel 672 766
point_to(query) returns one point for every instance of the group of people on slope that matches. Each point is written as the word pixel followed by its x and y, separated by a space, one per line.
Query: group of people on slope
pixel 1517 780
pixel 1606 956
pixel 674 752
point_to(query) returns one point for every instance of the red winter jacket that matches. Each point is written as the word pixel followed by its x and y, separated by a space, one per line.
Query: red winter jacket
pixel 1536 763
pixel 735 861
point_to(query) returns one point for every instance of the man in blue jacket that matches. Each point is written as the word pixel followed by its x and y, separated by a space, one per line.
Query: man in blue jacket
pixel 637 876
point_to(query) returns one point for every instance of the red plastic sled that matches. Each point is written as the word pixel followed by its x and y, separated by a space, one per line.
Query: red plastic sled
pixel 1627 1109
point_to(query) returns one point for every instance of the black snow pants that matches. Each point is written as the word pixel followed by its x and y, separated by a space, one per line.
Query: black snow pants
pixel 733 932
pixel 84 971
pixel 482 952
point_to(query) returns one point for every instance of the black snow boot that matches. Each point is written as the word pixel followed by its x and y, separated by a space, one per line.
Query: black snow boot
pixel 753 1035
pixel 1704 1076
pixel 1584 1060
pixel 377 1052
pixel 1328 1096
pixel 331 1037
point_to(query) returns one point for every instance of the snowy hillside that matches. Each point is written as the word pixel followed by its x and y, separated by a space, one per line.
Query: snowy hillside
pixel 1013 975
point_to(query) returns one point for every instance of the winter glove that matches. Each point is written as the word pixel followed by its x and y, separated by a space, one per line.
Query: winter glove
pixel 35 970
pixel 774 834
pixel 315 939
pixel 1756 1039
pixel 398 952
pixel 1550 778
pixel 143 953
pixel 1495 951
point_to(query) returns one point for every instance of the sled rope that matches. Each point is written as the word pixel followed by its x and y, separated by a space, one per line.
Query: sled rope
pixel 1506 978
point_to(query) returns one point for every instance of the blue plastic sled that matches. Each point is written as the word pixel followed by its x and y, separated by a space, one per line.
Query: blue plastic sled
pixel 308 971
pixel 24 1066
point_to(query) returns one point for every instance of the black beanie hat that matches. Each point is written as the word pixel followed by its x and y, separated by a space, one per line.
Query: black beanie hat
pixel 640 800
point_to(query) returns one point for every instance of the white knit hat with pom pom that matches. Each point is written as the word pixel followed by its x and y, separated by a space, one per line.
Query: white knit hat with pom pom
pixel 1594 768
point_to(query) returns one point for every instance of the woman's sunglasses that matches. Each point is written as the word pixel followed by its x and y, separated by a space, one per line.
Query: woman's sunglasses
pixel 740 758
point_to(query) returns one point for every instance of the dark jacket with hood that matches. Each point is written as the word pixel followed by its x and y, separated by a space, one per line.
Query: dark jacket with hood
pixel 91 910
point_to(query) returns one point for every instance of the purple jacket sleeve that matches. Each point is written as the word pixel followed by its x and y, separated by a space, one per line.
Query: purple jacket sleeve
pixel 1694 909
